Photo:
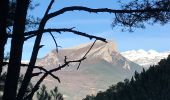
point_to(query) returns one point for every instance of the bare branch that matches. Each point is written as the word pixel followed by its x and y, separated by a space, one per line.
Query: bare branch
pixel 86 53
pixel 23 65
pixel 54 41
pixel 37 67
pixel 36 74
pixel 49 7
pixel 91 10
pixel 46 74
pixel 30 36
pixel 43 69
pixel 34 33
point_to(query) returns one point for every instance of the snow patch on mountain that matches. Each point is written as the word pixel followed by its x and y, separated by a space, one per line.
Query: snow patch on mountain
pixel 145 58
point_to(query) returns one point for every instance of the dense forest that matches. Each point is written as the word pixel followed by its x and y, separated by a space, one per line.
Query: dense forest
pixel 153 84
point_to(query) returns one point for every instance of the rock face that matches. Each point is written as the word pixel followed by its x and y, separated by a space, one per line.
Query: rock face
pixel 103 67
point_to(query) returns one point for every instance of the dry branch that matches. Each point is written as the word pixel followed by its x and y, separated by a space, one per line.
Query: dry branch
pixel 37 67
pixel 34 33
pixel 54 41
pixel 91 10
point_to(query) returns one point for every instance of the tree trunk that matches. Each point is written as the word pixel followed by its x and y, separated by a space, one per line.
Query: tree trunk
pixel 4 7
pixel 34 55
pixel 29 71
pixel 13 72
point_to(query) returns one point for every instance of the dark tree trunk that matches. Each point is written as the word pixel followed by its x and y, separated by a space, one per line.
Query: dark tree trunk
pixel 35 51
pixel 13 72
pixel 29 71
pixel 4 7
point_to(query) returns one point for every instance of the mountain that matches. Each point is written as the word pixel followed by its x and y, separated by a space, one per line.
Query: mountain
pixel 151 84
pixel 145 58
pixel 103 67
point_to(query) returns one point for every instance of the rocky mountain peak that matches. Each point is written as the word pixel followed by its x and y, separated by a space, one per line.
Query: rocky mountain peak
pixel 100 50
pixel 104 50
pixel 110 44
pixel 103 67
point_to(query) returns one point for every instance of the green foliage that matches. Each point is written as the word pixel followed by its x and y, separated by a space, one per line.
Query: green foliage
pixel 2 80
pixel 31 21
pixel 152 84
pixel 89 97
pixel 139 19
pixel 56 95
pixel 53 95
pixel 43 94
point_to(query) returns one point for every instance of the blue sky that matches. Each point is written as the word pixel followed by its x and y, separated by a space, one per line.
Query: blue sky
pixel 155 37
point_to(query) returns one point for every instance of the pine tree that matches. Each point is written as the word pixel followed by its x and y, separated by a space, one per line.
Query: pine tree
pixel 152 84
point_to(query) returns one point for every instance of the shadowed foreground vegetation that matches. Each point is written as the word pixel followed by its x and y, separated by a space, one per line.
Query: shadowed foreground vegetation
pixel 42 94
pixel 153 84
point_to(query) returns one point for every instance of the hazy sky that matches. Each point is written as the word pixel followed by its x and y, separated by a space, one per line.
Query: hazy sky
pixel 155 37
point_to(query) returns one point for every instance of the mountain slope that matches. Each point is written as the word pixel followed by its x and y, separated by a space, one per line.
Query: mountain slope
pixel 103 67
pixel 145 58
pixel 152 84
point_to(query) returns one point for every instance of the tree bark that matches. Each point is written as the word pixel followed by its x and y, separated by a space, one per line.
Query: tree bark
pixel 34 55
pixel 4 7
pixel 13 71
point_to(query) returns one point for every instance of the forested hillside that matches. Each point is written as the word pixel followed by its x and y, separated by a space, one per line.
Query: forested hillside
pixel 153 84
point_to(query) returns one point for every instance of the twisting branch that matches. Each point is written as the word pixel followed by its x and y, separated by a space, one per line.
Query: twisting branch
pixel 43 69
pixel 37 67
pixel 23 65
pixel 36 87
pixel 54 41
pixel 90 10
pixel 86 53
pixel 34 33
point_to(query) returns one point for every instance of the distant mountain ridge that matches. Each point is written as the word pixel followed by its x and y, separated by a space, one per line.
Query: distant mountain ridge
pixel 145 58
pixel 103 67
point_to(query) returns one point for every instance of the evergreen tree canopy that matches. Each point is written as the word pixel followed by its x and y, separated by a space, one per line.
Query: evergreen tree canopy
pixel 153 84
